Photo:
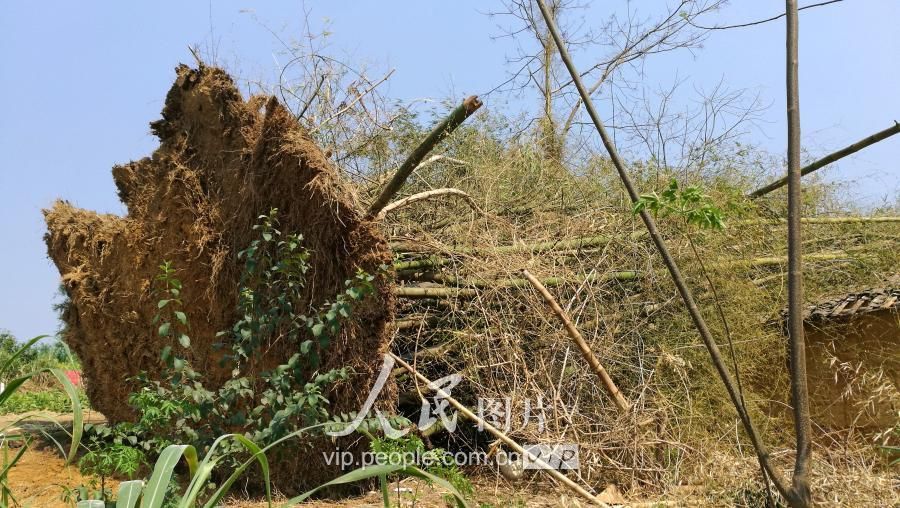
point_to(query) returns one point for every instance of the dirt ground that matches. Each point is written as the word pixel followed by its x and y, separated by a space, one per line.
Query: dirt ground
pixel 42 478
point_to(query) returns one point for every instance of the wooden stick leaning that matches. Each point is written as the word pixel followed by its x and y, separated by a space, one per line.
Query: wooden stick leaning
pixel 586 352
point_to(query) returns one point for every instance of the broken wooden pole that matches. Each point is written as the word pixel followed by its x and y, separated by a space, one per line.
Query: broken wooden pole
pixel 586 352
pixel 438 134
pixel 824 161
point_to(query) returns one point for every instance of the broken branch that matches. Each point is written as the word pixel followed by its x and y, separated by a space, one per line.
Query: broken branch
pixel 428 195
pixel 573 332
pixel 828 159
pixel 440 132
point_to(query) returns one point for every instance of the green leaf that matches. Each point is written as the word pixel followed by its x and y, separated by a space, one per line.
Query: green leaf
pixel 154 494
pixel 258 455
pixel 164 329
pixel 162 303
pixel 77 413
pixel 129 493
pixel 181 317
pixel 184 340
pixel 382 470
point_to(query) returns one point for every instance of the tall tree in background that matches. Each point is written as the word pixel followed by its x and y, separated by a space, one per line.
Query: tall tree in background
pixel 622 40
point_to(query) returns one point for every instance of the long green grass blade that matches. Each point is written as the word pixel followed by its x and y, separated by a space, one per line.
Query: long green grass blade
pixel 258 455
pixel 77 412
pixel 13 386
pixel 12 359
pixel 425 475
pixel 129 493
pixel 381 471
pixel 155 493
pixel 363 473
pixel 11 463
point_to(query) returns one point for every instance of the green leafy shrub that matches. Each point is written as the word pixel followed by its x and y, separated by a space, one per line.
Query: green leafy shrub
pixel 689 203
pixel 179 408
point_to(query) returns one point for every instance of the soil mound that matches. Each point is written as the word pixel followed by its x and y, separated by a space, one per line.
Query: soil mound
pixel 222 161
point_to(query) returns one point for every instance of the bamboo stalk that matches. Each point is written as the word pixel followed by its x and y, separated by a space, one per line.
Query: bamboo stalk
pixel 469 289
pixel 586 352
pixel 828 159
pixel 468 414
pixel 483 283
pixel 414 322
pixel 434 292
pixel 582 242
pixel 438 134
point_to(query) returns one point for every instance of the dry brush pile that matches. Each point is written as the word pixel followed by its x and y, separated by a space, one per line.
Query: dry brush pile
pixel 462 303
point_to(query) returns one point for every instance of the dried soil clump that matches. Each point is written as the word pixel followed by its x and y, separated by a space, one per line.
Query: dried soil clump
pixel 222 162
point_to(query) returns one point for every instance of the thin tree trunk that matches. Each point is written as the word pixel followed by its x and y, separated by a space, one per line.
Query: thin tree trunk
pixel 828 159
pixel 671 265
pixel 800 396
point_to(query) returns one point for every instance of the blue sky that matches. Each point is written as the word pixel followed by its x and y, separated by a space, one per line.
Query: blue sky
pixel 81 80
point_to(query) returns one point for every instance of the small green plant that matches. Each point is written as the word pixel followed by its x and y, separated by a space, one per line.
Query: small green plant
pixel 409 450
pixel 7 366
pixel 689 202
pixel 109 461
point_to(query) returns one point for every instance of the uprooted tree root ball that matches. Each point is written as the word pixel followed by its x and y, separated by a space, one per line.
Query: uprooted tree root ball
pixel 222 162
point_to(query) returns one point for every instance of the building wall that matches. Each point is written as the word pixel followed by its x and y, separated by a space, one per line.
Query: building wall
pixel 854 371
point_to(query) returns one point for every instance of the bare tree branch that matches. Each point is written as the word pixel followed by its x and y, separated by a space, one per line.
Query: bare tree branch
pixel 761 21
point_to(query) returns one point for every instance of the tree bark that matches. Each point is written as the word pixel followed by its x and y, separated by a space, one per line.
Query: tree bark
pixel 800 492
